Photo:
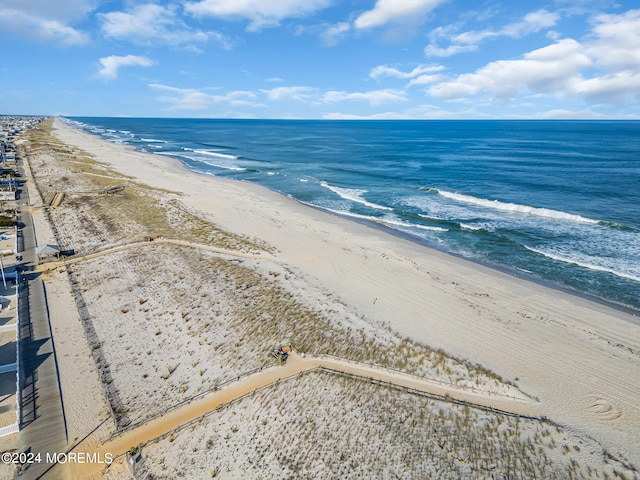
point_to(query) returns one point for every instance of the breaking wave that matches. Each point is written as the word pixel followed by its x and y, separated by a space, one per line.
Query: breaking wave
pixel 380 221
pixel 397 223
pixel 514 207
pixel 354 195
pixel 581 263
pixel 211 154
pixel 200 160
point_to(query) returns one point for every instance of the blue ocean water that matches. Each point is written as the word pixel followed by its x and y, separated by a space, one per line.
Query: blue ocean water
pixel 556 200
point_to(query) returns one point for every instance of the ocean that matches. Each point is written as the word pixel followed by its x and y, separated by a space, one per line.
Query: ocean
pixel 553 201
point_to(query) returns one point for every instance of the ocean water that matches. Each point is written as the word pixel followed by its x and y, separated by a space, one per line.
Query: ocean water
pixel 556 201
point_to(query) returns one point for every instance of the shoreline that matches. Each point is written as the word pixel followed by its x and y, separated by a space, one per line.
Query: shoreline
pixel 582 359
pixel 510 270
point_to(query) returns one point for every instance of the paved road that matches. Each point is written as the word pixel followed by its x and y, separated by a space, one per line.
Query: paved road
pixel 42 422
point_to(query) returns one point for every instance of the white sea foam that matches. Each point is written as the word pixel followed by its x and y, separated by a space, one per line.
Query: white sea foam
pixel 346 214
pixel 398 223
pixel 354 195
pixel 515 208
pixel 380 221
pixel 228 167
pixel 218 165
pixel 467 226
pixel 196 159
pixel 212 154
pixel 581 262
pixel 152 140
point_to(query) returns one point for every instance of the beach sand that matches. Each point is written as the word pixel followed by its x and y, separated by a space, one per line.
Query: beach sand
pixel 579 358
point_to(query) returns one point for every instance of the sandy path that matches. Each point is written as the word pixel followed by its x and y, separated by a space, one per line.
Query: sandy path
pixel 295 365
pixel 129 246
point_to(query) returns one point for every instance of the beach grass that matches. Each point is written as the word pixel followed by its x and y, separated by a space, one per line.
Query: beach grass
pixel 133 213
pixel 323 425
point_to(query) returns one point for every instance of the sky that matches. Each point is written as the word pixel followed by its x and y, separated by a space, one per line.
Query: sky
pixel 321 59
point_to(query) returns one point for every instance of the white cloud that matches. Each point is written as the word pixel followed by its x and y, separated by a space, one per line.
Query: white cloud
pixel 553 69
pixel 293 93
pixel 617 43
pixel 149 23
pixel 316 97
pixel 259 13
pixel 604 69
pixel 616 88
pixel 112 63
pixel 374 97
pixel 184 98
pixel 563 114
pixel 45 21
pixel 389 11
pixel 237 98
pixel 332 35
pixel 614 47
pixel 375 116
pixel 435 51
pixel 533 22
pixel 419 112
pixel 387 71
pixel 425 80
pixel 468 41
pixel 63 11
pixel 51 30
pixel 194 99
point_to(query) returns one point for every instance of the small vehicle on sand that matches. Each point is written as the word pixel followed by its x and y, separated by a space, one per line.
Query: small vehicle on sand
pixel 281 353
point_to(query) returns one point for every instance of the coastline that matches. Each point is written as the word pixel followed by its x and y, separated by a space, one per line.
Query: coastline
pixel 633 313
pixel 571 353
pixel 509 262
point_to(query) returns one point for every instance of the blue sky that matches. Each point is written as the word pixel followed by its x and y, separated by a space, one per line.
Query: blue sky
pixel 332 59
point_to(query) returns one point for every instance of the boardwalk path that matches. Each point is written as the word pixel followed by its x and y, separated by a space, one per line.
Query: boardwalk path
pixel 171 241
pixel 186 413
pixel 296 364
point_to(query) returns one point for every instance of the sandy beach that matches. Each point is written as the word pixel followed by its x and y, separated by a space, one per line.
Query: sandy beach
pixel 161 314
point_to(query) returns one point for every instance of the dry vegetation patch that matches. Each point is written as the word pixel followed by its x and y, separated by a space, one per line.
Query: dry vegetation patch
pixel 106 220
pixel 326 426
pixel 212 318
